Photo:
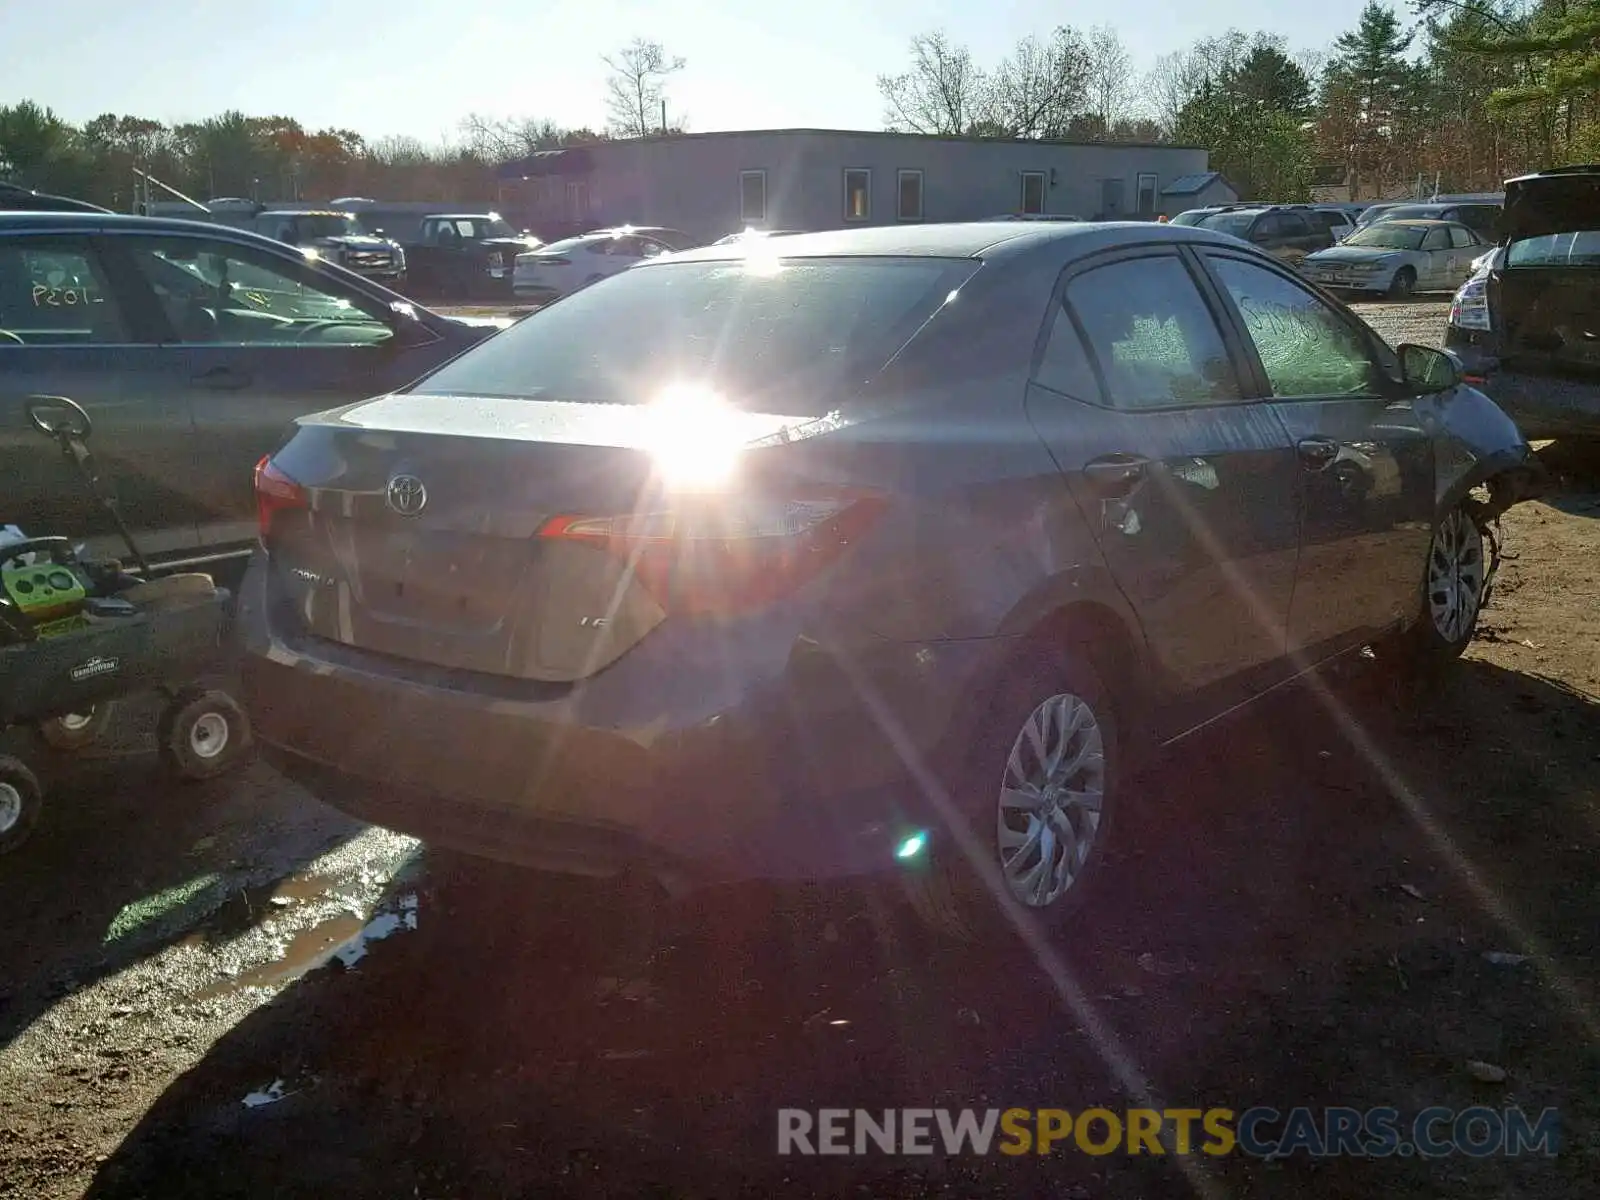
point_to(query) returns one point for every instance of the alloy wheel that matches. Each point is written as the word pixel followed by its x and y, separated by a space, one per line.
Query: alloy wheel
pixel 1051 798
pixel 1455 576
pixel 10 808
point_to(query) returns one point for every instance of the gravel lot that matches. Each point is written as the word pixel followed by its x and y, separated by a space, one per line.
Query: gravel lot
pixel 1420 321
pixel 229 990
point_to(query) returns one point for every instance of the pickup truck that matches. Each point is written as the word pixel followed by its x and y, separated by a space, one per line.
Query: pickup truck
pixel 465 256
pixel 339 238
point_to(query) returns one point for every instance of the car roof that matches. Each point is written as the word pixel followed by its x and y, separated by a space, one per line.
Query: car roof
pixel 975 239
pixel 84 222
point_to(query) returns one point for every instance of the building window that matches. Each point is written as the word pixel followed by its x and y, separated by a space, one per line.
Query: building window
pixel 1033 191
pixel 752 197
pixel 857 195
pixel 578 200
pixel 1147 195
pixel 908 196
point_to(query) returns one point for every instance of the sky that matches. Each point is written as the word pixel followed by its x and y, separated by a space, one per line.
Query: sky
pixel 415 68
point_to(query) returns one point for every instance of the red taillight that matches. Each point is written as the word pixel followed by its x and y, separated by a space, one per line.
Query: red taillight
pixel 725 554
pixel 275 493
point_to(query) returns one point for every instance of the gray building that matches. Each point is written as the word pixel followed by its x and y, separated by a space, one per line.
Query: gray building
pixel 711 184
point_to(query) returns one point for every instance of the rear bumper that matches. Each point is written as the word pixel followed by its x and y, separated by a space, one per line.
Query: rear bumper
pixel 784 777
pixel 1543 406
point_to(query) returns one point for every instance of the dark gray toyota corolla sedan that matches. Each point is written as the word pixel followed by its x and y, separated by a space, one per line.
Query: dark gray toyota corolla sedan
pixel 884 549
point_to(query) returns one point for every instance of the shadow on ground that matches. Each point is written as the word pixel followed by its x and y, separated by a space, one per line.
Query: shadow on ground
pixel 147 858
pixel 1293 920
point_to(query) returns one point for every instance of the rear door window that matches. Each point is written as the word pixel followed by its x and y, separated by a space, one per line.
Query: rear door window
pixel 54 293
pixel 1461 238
pixel 1155 341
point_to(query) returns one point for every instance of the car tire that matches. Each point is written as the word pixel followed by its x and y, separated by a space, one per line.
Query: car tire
pixel 21 801
pixel 202 734
pixel 1453 583
pixel 965 888
pixel 72 732
pixel 1403 284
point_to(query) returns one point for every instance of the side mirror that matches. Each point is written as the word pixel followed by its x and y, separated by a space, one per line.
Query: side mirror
pixel 1427 371
pixel 378 233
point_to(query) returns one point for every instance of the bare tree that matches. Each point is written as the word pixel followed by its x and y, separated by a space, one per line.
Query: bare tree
pixel 1039 87
pixel 944 92
pixel 498 139
pixel 636 88
pixel 1110 76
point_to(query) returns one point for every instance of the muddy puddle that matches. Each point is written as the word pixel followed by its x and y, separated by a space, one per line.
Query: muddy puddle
pixel 342 937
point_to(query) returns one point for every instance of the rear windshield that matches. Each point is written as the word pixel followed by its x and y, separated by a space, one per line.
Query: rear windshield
pixel 1411 212
pixel 1238 224
pixel 797 327
pixel 568 245
pixel 1579 249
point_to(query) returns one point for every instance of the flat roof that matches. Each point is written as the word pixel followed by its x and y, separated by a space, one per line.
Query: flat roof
pixel 859 133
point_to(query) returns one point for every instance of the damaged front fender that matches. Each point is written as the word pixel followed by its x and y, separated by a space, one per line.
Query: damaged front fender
pixel 1476 445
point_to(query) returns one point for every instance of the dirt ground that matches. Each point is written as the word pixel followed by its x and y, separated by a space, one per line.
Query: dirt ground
pixel 230 991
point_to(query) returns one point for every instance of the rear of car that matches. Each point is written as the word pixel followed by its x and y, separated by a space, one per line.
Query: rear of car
pixel 552 271
pixel 1528 321
pixel 588 601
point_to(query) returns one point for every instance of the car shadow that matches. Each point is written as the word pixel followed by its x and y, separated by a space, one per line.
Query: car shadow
pixel 1304 889
pixel 1575 470
pixel 148 860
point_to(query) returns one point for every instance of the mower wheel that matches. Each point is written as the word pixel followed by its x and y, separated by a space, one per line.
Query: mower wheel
pixel 202 733
pixel 21 799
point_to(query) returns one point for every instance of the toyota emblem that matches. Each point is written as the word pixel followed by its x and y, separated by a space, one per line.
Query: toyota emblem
pixel 406 495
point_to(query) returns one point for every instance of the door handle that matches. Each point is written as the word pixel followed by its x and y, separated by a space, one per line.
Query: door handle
pixel 1113 475
pixel 222 379
pixel 1317 453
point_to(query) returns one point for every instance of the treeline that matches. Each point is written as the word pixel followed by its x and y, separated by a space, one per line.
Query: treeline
pixel 1458 94
pixel 276 158
pixel 1462 93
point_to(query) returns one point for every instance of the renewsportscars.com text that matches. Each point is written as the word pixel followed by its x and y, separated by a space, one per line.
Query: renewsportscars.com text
pixel 1260 1132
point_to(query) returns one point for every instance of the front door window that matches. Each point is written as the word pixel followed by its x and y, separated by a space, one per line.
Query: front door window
pixel 220 292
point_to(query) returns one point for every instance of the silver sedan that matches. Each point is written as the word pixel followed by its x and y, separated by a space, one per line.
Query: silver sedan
pixel 1398 258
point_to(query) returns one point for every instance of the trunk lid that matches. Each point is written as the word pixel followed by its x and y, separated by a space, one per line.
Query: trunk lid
pixel 420 540
pixel 1545 286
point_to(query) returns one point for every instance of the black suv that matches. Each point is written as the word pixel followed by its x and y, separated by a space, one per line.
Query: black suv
pixel 192 347
pixel 1527 324
pixel 1287 233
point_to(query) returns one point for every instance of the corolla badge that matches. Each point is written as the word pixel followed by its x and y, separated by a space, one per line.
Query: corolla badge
pixel 406 495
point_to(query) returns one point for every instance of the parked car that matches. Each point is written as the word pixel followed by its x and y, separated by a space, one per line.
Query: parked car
pixel 675 239
pixel 1287 234
pixel 1398 258
pixel 1482 218
pixel 1337 219
pixel 1524 323
pixel 553 271
pixel 191 346
pixel 465 256
pixel 21 199
pixel 339 237
pixel 896 552
pixel 1373 211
